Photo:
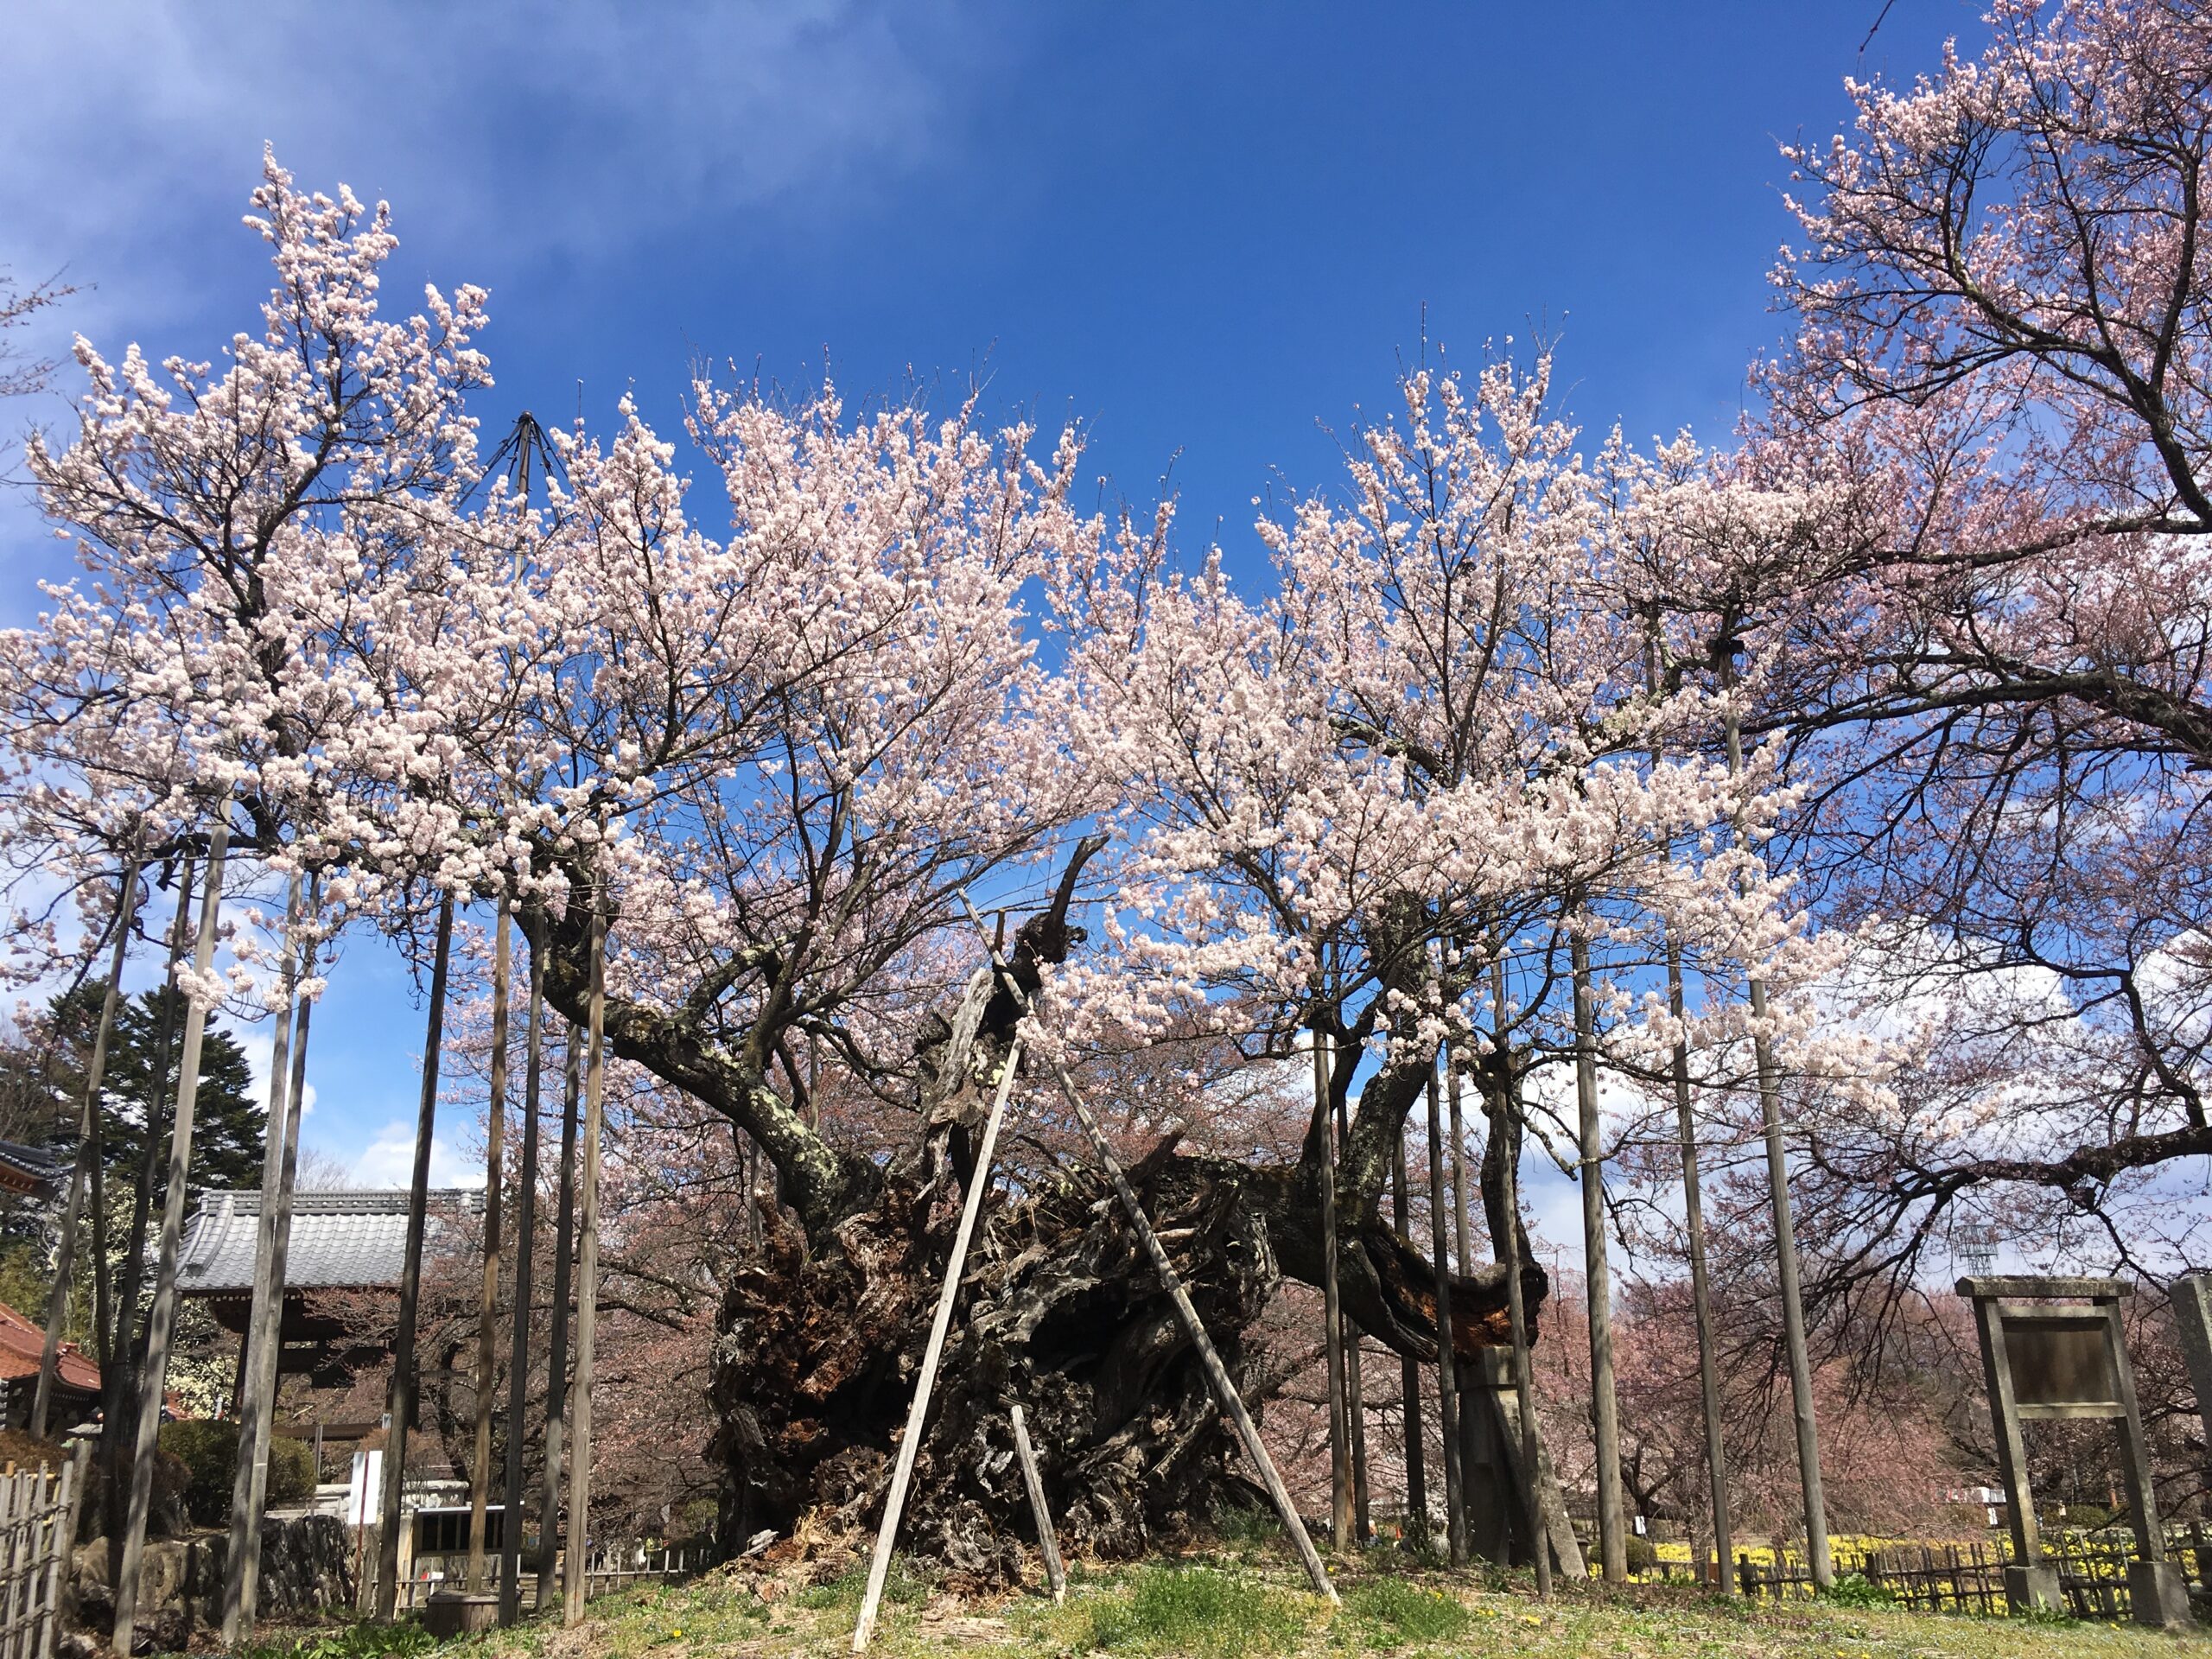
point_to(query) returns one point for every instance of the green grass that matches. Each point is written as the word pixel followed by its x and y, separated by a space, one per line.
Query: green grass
pixel 845 1591
pixel 1201 1610
pixel 1395 1613
pixel 351 1641
pixel 1221 1607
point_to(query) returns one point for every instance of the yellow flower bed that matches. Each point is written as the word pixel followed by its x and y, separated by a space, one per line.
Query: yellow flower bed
pixel 1843 1548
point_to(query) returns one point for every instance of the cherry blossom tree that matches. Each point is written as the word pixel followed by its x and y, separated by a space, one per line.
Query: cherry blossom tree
pixel 1988 647
pixel 1428 755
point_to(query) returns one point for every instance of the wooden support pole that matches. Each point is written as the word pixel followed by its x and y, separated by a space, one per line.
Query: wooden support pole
pixel 119 1378
pixel 1408 1367
pixel 263 1337
pixel 1785 1234
pixel 1041 1511
pixel 162 1318
pixel 575 1580
pixel 1613 1534
pixel 1716 1445
pixel 1321 1136
pixel 910 1442
pixel 82 1172
pixel 488 1298
pixel 557 1352
pixel 1708 1372
pixel 518 1356
pixel 1447 1381
pixel 1355 1391
pixel 1474 1412
pixel 1224 1389
pixel 1505 1135
pixel 401 1400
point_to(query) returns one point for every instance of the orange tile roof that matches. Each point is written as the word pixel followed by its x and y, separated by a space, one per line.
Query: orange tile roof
pixel 20 1344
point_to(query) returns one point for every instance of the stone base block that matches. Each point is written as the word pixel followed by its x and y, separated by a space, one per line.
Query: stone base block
pixel 2033 1590
pixel 2159 1594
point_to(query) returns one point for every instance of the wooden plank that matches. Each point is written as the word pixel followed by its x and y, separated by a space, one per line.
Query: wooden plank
pixel 1047 1544
pixel 65 1539
pixel 12 1518
pixel 2135 1456
pixel 1989 1286
pixel 2011 1453
pixel 2070 1411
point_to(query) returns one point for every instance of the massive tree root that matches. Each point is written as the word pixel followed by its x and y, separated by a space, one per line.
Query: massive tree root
pixel 819 1355
pixel 1061 1313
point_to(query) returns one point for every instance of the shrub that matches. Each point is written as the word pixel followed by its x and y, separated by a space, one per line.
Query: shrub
pixel 1642 1554
pixel 1196 1610
pixel 1855 1590
pixel 1398 1612
pixel 209 1452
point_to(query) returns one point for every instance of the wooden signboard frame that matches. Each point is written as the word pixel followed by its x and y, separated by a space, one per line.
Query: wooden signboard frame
pixel 2053 1349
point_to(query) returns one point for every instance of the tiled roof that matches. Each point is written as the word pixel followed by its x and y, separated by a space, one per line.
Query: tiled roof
pixel 354 1240
pixel 20 1344
pixel 34 1170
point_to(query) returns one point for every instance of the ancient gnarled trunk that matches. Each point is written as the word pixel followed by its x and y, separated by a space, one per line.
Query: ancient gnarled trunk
pixel 818 1355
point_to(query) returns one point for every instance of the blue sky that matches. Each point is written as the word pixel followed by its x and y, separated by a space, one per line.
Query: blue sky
pixel 1209 232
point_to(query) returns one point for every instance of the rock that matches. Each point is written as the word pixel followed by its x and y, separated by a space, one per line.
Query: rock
pixel 307 1569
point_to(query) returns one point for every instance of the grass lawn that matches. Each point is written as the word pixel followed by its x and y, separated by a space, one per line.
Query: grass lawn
pixel 1248 1604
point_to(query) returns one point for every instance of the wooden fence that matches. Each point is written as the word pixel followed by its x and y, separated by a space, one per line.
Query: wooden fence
pixel 611 1567
pixel 1969 1577
pixel 38 1526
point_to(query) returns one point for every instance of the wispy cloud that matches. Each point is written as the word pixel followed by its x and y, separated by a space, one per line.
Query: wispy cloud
pixel 568 130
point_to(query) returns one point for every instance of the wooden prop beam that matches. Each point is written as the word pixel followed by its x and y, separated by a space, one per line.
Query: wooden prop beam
pixel 404 1383
pixel 1055 1574
pixel 910 1444
pixel 1224 1389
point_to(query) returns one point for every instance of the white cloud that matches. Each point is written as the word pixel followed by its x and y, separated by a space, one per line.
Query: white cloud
pixel 389 1160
